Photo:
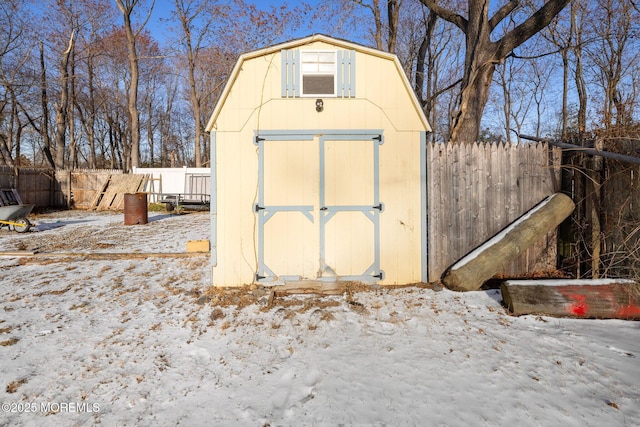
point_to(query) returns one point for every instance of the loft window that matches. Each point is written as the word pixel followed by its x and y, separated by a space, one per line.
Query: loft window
pixel 318 70
pixel 318 73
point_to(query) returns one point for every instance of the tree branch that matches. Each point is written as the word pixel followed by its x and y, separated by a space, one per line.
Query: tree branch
pixel 443 90
pixel 502 13
pixel 71 41
pixel 446 14
pixel 532 57
pixel 523 32
pixel 153 2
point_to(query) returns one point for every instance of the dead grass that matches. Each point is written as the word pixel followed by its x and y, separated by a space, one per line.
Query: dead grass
pixel 10 341
pixel 78 306
pixel 54 292
pixel 244 296
pixel 13 386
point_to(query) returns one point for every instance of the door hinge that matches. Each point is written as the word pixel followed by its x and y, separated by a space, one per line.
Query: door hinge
pixel 258 208
pixel 380 275
pixel 379 206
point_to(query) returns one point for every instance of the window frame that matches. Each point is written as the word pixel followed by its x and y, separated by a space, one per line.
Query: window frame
pixel 333 73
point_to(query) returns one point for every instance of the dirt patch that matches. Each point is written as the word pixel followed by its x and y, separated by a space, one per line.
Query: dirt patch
pixel 10 341
pixel 13 386
pixel 269 297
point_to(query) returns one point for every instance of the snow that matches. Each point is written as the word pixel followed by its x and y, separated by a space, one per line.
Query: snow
pixel 145 342
pixel 570 282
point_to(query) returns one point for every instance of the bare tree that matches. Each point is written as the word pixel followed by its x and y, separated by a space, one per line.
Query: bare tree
pixel 97 17
pixel 44 102
pixel 613 55
pixel 126 8
pixel 482 54
pixel 380 24
pixel 193 40
pixel 577 28
pixel 9 38
pixel 63 105
pixel 428 50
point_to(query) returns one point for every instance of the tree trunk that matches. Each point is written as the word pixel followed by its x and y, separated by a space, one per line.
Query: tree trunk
pixel 482 54
pixel 483 263
pixel 377 19
pixel 62 107
pixel 6 144
pixel 92 114
pixel 603 299
pixel 73 148
pixel 112 141
pixel 375 8
pixel 579 76
pixel 393 14
pixel 420 62
pixel 5 153
pixel 195 101
pixel 480 59
pixel 44 100
pixel 132 95
pixel 150 134
pixel 565 93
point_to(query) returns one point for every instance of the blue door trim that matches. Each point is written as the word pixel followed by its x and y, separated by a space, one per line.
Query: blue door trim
pixel 424 217
pixel 213 203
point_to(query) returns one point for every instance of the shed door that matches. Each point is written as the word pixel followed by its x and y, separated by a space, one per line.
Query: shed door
pixel 350 207
pixel 317 207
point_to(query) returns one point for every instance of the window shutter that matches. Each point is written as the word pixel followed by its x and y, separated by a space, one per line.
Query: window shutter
pixel 347 73
pixel 290 86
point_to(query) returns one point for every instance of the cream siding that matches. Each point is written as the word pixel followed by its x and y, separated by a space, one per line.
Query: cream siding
pixel 252 103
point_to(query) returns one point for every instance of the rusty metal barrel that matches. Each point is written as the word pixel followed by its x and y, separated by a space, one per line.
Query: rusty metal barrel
pixel 135 208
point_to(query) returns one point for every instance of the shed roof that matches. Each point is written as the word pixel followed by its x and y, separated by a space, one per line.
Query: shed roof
pixel 305 41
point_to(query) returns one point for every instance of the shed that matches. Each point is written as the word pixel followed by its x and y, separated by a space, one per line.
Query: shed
pixel 318 168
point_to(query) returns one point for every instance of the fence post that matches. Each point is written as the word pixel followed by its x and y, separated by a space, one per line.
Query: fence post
pixel 595 211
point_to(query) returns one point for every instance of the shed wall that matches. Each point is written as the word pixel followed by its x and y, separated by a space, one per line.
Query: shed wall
pixel 254 104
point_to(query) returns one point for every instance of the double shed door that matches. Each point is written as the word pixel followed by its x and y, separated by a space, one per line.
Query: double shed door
pixel 318 207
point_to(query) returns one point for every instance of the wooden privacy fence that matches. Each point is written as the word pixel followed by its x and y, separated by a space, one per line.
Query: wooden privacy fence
pixel 78 188
pixel 36 186
pixel 474 190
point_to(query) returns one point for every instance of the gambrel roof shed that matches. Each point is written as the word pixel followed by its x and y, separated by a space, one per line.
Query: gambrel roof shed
pixel 318 168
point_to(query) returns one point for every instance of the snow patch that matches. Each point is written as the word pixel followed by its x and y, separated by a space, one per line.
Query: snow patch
pixel 132 337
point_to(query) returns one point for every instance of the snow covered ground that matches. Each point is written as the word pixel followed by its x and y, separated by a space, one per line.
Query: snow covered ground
pixel 145 342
